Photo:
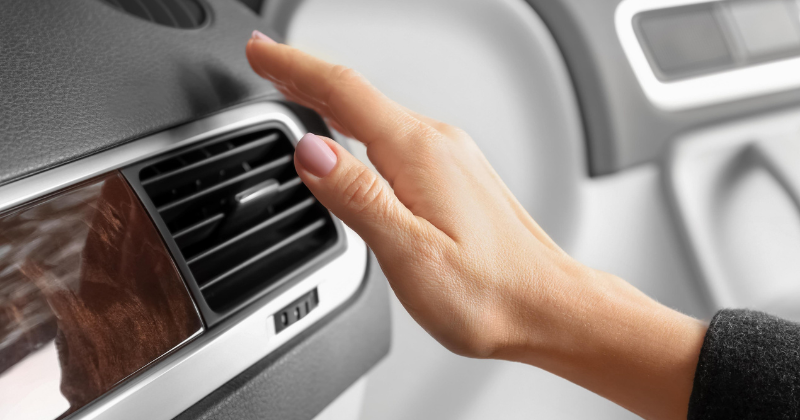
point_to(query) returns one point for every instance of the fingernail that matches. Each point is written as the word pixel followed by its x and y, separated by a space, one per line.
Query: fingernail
pixel 315 155
pixel 261 37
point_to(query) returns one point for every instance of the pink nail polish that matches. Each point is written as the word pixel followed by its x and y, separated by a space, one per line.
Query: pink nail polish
pixel 261 37
pixel 315 155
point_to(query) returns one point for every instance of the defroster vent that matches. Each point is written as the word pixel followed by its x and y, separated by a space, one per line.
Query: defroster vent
pixel 237 214
pixel 184 14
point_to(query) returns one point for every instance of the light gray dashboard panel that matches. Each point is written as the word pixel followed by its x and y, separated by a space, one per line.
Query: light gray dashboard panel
pixel 735 189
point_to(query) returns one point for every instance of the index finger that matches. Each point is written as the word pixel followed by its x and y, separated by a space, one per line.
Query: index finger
pixel 357 105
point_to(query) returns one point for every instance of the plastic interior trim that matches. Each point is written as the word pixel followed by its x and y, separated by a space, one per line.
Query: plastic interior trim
pixel 695 168
pixel 221 353
pixel 724 86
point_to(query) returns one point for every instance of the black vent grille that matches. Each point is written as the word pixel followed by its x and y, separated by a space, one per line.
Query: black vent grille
pixel 185 14
pixel 238 214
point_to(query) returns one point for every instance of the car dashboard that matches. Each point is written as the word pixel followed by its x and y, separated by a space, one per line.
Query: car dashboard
pixel 142 157
pixel 160 256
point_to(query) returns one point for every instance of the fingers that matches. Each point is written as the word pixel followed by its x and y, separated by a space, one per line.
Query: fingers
pixel 357 105
pixel 344 97
pixel 355 194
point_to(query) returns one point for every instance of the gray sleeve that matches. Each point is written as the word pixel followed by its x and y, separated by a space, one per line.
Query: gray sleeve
pixel 749 368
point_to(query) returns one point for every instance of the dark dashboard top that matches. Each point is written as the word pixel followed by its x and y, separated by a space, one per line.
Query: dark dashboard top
pixel 79 76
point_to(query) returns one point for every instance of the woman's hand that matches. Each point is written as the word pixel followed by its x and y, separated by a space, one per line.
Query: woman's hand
pixel 465 258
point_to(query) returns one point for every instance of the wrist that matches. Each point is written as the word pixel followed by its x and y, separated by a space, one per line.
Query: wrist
pixel 546 314
pixel 603 334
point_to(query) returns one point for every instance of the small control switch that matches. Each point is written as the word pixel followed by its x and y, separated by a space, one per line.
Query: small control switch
pixel 296 311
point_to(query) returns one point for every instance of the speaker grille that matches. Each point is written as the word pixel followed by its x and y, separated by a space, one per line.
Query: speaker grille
pixel 184 14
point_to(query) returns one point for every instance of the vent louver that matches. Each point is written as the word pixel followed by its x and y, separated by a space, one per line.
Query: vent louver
pixel 238 214
pixel 184 14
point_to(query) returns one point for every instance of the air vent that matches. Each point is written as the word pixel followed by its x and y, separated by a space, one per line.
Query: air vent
pixel 238 214
pixel 254 5
pixel 184 14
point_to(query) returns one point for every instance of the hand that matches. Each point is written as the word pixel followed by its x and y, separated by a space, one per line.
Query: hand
pixel 465 258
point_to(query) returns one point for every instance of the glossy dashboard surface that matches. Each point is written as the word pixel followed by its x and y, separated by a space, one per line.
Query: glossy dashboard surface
pixel 79 311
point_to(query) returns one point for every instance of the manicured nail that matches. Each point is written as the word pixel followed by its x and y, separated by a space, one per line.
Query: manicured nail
pixel 261 37
pixel 315 155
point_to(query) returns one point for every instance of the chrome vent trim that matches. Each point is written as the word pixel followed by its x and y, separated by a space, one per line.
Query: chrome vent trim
pixel 239 221
pixel 26 189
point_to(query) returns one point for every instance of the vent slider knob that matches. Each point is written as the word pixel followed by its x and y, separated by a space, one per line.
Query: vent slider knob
pixel 251 204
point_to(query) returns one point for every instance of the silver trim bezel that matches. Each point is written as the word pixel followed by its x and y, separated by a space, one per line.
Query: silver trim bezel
pixel 176 382
pixel 52 180
pixel 179 381
pixel 694 92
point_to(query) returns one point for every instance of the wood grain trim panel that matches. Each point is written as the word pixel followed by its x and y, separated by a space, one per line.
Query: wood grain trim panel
pixel 86 270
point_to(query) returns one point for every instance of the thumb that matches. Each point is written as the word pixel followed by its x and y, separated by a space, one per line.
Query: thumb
pixel 354 193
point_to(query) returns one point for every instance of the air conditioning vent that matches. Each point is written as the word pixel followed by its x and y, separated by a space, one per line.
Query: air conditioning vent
pixel 238 214
pixel 185 14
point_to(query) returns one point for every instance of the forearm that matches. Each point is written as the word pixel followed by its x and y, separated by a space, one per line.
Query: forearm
pixel 608 337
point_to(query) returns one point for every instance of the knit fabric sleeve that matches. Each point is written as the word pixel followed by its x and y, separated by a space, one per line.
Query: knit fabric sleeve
pixel 749 368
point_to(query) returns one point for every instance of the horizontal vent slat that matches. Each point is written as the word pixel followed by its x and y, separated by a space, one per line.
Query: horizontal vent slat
pixel 174 206
pixel 222 158
pixel 185 237
pixel 271 250
pixel 252 231
pixel 291 184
